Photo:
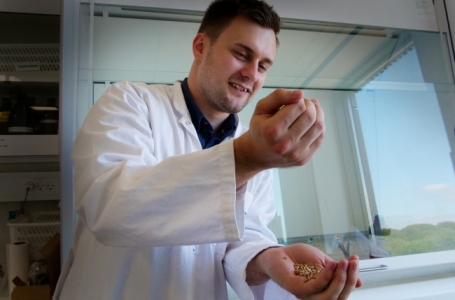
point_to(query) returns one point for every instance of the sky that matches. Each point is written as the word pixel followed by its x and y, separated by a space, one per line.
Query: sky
pixel 407 147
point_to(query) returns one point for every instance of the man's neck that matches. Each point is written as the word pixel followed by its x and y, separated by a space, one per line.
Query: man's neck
pixel 215 118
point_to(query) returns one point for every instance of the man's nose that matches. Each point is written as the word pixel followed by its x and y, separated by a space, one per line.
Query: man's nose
pixel 250 70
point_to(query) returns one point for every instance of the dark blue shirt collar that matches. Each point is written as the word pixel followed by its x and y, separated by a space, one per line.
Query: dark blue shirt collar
pixel 203 128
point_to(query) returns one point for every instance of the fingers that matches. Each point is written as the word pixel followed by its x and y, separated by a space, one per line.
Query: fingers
pixel 323 287
pixel 279 98
pixel 316 123
pixel 345 279
pixel 288 114
pixel 299 131
pixel 325 278
pixel 311 126
pixel 338 283
pixel 285 131
pixel 352 278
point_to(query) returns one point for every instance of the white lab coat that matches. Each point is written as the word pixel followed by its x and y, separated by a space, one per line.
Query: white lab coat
pixel 158 217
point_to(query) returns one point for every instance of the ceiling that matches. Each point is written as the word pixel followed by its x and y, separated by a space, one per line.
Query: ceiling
pixel 154 46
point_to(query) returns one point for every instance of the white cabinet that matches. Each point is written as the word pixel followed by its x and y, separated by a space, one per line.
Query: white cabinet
pixel 48 7
pixel 30 62
pixel 30 67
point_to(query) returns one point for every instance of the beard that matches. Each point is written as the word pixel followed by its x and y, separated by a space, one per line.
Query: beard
pixel 214 87
pixel 218 99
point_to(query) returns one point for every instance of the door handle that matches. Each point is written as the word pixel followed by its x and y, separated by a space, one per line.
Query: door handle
pixel 371 269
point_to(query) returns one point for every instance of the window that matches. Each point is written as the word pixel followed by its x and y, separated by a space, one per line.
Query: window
pixel 383 183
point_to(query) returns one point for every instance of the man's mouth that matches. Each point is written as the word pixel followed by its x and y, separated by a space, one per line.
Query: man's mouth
pixel 239 87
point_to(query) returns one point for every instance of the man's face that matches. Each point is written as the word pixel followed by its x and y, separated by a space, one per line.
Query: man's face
pixel 233 68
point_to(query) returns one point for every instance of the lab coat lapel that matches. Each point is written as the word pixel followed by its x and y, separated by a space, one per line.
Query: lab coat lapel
pixel 182 111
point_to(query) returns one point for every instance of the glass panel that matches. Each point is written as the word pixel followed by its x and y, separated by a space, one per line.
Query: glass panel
pixel 409 158
pixel 383 182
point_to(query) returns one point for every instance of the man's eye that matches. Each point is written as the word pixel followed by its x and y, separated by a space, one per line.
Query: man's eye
pixel 241 55
pixel 263 68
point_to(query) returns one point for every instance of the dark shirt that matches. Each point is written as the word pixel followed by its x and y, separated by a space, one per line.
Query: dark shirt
pixel 203 128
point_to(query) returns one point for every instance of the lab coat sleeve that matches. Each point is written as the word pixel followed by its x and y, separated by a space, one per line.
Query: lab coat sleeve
pixel 127 197
pixel 259 211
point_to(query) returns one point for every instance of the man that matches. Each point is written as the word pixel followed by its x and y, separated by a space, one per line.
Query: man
pixel 174 196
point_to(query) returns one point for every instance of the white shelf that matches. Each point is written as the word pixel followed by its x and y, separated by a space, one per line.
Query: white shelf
pixel 30 77
pixel 25 145
pixel 29 62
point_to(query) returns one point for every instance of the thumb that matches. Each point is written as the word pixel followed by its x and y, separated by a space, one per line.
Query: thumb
pixel 273 102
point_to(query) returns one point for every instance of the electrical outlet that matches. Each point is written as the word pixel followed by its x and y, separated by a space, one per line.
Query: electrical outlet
pixel 51 185
pixel 44 185
pixel 40 185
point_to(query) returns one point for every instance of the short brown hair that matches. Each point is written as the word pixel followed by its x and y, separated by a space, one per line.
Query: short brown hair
pixel 220 13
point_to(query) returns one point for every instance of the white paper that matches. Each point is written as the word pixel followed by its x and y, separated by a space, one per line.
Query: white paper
pixel 17 262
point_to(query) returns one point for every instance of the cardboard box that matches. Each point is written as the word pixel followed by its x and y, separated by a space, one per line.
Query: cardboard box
pixel 51 251
pixel 37 292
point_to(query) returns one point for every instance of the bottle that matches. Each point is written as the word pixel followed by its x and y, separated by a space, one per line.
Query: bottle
pixel 5 111
pixel 49 118
pixel 21 118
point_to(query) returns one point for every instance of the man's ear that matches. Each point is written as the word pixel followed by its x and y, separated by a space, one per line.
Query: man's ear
pixel 200 43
